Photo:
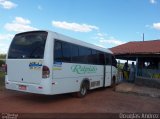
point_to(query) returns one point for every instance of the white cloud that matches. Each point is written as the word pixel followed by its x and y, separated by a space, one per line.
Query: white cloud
pixel 153 1
pixel 19 24
pixel 112 41
pixel 156 26
pixel 101 35
pixel 106 39
pixel 5 40
pixel 6 36
pixel 7 4
pixel 4 48
pixel 40 7
pixel 21 20
pixel 74 26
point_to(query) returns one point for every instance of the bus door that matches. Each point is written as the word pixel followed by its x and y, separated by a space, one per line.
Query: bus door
pixel 107 70
pixel 107 75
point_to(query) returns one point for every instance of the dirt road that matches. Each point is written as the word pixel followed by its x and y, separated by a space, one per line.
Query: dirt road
pixel 97 101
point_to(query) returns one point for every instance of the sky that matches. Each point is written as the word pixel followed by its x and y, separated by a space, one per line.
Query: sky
pixel 106 23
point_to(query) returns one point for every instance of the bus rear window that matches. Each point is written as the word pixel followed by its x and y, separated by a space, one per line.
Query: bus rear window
pixel 29 45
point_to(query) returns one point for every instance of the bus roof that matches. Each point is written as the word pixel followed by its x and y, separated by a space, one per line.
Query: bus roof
pixel 78 42
pixel 65 38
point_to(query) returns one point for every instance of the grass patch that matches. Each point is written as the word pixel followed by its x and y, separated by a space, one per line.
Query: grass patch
pixel 2 74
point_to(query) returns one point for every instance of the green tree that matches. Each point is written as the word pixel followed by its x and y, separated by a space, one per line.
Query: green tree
pixel 2 56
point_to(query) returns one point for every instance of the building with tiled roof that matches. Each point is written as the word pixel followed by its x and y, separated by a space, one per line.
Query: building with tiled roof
pixel 147 57
pixel 138 47
pixel 131 50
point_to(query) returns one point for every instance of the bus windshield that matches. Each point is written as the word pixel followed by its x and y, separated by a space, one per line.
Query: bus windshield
pixel 29 45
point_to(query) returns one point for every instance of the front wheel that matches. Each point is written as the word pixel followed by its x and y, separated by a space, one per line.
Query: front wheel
pixel 83 90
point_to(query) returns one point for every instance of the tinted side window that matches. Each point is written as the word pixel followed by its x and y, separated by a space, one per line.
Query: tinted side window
pixel 101 58
pixel 93 59
pixel 74 53
pixel 58 51
pixel 83 54
pixel 108 59
pixel 66 52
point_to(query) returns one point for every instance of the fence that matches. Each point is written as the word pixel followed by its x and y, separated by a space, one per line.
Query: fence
pixel 149 73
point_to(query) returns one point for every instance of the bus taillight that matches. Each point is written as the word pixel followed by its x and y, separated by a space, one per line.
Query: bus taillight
pixel 45 72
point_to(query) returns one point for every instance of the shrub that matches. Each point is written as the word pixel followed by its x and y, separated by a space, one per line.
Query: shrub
pixel 2 62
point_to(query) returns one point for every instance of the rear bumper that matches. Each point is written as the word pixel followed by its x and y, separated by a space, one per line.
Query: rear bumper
pixel 30 88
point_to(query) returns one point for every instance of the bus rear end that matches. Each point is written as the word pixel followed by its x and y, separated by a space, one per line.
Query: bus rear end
pixel 25 64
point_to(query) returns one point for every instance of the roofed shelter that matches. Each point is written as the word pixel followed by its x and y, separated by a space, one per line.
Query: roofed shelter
pixel 147 57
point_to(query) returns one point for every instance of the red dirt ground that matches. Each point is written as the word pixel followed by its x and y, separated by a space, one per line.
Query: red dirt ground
pixel 97 101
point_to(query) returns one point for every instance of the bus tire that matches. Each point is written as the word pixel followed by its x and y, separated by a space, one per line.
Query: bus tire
pixel 83 90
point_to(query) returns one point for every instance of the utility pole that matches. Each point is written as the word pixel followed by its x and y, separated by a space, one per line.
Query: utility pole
pixel 143 36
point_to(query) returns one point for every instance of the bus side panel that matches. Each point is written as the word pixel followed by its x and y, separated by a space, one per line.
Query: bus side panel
pixel 67 77
pixel 108 77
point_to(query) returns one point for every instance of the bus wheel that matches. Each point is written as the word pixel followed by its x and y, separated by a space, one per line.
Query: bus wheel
pixel 83 90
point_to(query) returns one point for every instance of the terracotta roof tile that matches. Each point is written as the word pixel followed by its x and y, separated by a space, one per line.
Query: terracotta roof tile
pixel 138 47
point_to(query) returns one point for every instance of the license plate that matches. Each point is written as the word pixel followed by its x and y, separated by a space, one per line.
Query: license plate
pixel 22 87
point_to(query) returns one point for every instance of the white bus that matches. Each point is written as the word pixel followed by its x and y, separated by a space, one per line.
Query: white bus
pixel 46 62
